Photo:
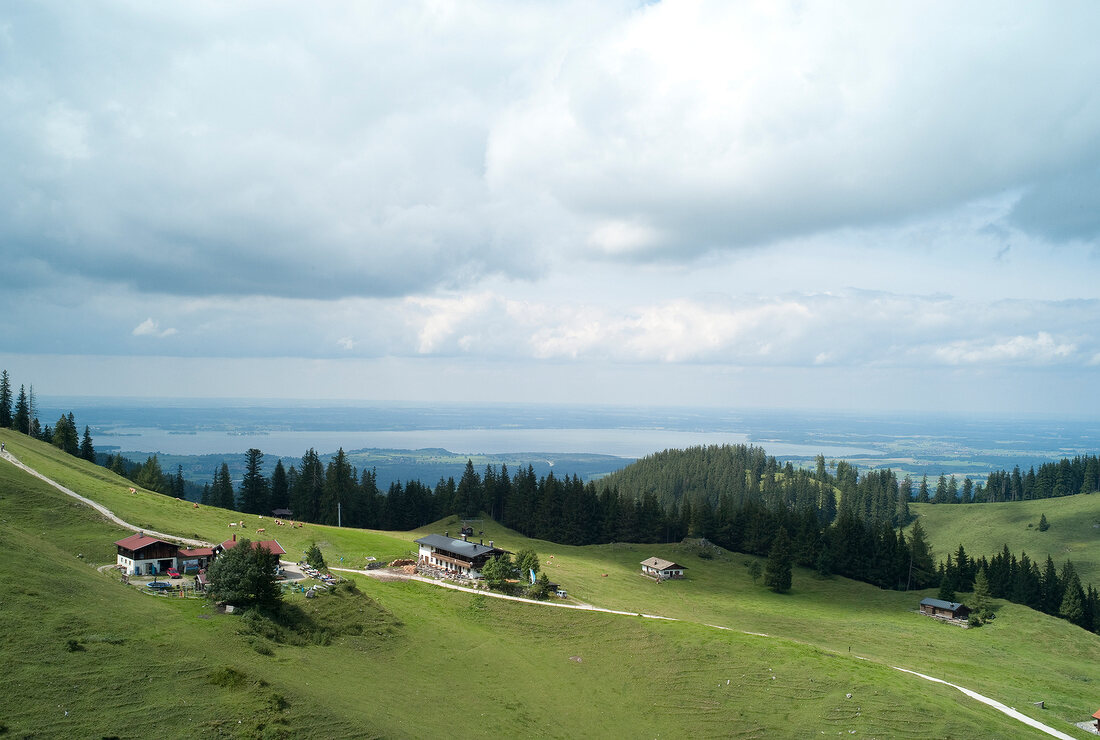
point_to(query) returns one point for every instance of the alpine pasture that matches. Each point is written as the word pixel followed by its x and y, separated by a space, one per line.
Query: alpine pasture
pixel 86 655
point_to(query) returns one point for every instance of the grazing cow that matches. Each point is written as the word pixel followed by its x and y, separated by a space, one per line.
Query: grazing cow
pixel 194 506
pixel 232 524
pixel 133 490
pixel 260 530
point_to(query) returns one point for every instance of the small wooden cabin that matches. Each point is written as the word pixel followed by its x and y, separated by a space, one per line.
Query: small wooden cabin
pixel 662 569
pixel 944 609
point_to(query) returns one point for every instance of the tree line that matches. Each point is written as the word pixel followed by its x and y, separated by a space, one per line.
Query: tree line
pixel 21 414
pixel 832 518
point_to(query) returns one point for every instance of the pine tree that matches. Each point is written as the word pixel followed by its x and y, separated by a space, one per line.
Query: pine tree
pixel 338 491
pixel 468 496
pixel 1073 603
pixel 21 421
pixel 967 491
pixel 255 491
pixel 981 605
pixel 947 581
pixel 1043 524
pixel 65 436
pixel 777 571
pixel 87 451
pixel 922 493
pixel 1051 588
pixel 222 490
pixel 179 487
pixel 305 494
pixel 151 477
pixel 280 487
pixel 922 568
pixel 5 401
pixel 941 490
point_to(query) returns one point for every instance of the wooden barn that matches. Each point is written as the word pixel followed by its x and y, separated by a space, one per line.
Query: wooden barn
pixel 944 609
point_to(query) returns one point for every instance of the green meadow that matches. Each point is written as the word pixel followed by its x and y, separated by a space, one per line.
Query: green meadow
pixel 984 529
pixel 86 656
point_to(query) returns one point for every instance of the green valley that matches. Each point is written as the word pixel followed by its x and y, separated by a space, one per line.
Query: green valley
pixel 89 656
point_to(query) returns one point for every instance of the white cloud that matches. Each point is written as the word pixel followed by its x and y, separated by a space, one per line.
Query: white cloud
pixel 1041 349
pixel 346 343
pixel 150 328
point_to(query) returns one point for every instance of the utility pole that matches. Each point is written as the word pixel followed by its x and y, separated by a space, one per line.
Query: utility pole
pixel 339 514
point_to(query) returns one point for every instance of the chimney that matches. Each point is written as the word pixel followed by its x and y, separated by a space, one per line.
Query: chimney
pixel 234 536
pixel 141 533
pixel 447 533
pixel 481 542
pixel 463 537
pixel 490 543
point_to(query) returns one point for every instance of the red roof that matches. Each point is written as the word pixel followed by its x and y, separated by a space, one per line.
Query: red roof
pixel 198 552
pixel 271 545
pixel 139 540
pixel 1096 714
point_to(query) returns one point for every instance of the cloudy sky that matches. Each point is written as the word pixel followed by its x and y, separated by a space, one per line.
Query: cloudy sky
pixel 857 205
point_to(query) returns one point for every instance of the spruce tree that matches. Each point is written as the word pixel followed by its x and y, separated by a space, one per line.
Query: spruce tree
pixel 5 400
pixel 338 491
pixel 777 571
pixel 947 581
pixel 21 420
pixel 254 493
pixel 222 492
pixel 150 476
pixel 1043 524
pixel 87 451
pixel 981 598
pixel 280 487
pixel 922 493
pixel 1073 603
pixel 922 568
pixel 179 487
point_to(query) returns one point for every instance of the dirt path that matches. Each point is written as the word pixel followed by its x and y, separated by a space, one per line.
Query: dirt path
pixel 391 576
pixel 99 507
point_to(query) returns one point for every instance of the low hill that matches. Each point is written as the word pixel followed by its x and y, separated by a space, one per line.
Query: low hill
pixel 87 656
pixel 984 529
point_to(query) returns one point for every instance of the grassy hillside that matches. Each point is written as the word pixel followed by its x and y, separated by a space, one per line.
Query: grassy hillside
pixel 985 528
pixel 408 659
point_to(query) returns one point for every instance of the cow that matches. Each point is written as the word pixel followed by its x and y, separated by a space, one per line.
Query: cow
pixel 133 490
pixel 260 530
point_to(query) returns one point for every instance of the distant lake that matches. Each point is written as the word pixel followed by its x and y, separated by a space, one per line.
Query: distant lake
pixel 631 443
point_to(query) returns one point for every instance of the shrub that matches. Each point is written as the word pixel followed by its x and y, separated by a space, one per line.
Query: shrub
pixel 315 557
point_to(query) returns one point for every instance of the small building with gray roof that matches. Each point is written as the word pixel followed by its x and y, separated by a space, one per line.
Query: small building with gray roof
pixel 662 569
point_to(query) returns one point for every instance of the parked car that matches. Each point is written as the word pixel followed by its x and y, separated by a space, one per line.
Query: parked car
pixel 160 585
pixel 173 573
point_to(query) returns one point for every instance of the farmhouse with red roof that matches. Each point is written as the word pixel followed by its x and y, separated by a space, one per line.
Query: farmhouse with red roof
pixel 140 554
pixel 272 545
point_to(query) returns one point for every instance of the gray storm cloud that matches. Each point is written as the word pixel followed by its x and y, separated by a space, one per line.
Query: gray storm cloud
pixel 200 149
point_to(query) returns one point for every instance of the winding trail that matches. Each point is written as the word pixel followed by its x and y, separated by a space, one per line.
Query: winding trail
pixel 1009 711
pixel 100 507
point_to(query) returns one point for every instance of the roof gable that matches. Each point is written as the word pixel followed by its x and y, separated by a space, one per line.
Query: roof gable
pixel 459 547
pixel 271 545
pixel 660 564
pixel 138 540
pixel 941 604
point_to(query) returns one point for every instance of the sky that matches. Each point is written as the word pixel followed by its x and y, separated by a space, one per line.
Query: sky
pixel 830 205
